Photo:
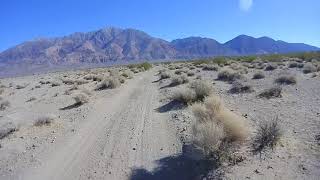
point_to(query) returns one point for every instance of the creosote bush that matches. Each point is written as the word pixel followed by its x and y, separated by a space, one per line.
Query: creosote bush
pixel 286 80
pixel 267 135
pixel 165 75
pixel 274 92
pixel 210 67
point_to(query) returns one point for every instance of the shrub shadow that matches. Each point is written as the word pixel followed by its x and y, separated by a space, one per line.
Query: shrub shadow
pixel 179 166
pixel 171 106
pixel 75 105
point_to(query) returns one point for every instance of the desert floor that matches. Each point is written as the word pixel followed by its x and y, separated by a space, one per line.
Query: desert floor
pixel 136 132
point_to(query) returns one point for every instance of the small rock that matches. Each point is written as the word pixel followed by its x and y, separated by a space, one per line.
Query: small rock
pixel 134 149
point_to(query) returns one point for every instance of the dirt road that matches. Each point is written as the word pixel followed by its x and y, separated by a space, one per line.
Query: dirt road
pixel 120 133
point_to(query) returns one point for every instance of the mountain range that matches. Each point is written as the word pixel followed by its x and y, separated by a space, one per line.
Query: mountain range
pixel 115 44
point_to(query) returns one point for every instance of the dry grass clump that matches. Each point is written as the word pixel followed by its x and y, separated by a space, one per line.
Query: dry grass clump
pixel 44 120
pixel 184 95
pixel 286 80
pixel 4 104
pixel 81 99
pixel 7 130
pixel 202 89
pixel 68 81
pixel 228 75
pixel 258 75
pixel 273 92
pixel 93 77
pixel 238 87
pixel 271 67
pixel 309 68
pixel 216 127
pixel 210 67
pixel 109 83
pixel 197 91
pixel 177 80
pixel 267 135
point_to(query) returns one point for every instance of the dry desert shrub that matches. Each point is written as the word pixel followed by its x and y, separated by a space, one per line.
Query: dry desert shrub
pixel 177 80
pixel 228 75
pixel 44 120
pixel 190 73
pixel 31 99
pixel 267 135
pixel 238 87
pixel 258 75
pixel 300 65
pixel 309 68
pixel 292 65
pixel 216 126
pixel 109 83
pixel 68 81
pixel 184 95
pixel 81 99
pixel 286 80
pixel 54 83
pixel 127 74
pixel 210 67
pixel 21 86
pixel 165 75
pixel 271 67
pixel 202 89
pixel 4 104
pixel 6 130
pixel 1 91
pixel 273 92
pixel 122 79
pixel 180 71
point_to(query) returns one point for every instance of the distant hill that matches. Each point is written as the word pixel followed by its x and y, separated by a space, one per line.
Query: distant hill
pixel 114 44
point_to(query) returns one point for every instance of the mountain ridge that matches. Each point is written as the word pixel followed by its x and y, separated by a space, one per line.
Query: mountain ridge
pixel 116 44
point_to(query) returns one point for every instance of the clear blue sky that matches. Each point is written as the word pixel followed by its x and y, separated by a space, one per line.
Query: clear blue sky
pixel 288 20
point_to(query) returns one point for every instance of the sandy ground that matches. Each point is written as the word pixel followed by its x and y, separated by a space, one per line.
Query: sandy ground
pixel 136 132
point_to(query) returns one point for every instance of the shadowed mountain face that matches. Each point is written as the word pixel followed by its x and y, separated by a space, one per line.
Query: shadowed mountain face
pixel 113 44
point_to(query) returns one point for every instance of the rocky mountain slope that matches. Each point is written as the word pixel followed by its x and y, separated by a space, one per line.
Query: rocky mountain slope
pixel 114 44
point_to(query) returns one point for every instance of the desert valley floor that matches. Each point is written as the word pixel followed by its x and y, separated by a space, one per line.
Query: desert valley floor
pixel 65 125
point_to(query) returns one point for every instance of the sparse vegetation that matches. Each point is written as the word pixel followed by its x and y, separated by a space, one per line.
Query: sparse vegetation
pixel 177 80
pixel 4 104
pixel 210 67
pixel 293 65
pixel 228 75
pixel 309 68
pixel 238 87
pixel 165 75
pixel 286 80
pixel 267 135
pixel 216 127
pixel 81 99
pixel 258 75
pixel 270 67
pixel 109 83
pixel 273 92
pixel 44 120
pixel 7 130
